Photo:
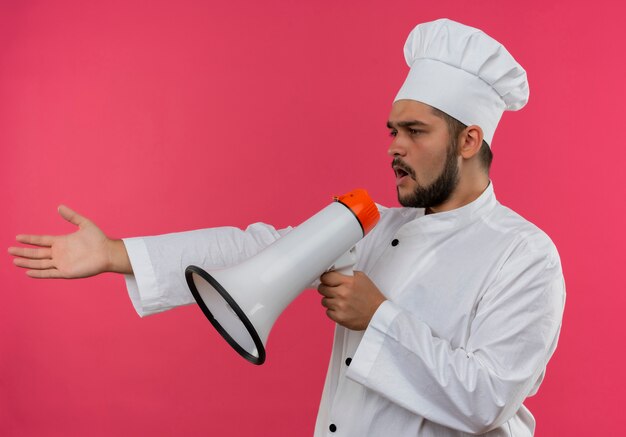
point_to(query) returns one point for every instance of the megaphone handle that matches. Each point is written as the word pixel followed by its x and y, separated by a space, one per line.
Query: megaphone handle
pixel 348 271
pixel 345 263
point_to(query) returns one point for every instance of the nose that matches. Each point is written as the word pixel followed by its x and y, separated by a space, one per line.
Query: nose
pixel 397 147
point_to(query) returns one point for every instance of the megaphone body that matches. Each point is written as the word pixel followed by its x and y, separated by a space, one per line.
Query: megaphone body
pixel 244 301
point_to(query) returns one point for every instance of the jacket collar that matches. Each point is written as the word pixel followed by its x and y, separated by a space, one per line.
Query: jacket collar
pixel 449 220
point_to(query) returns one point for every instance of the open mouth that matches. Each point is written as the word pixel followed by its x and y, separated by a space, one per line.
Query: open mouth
pixel 400 172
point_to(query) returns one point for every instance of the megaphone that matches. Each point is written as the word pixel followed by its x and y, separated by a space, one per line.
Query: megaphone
pixel 244 301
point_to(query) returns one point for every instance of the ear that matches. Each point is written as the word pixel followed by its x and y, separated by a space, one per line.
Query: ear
pixel 470 141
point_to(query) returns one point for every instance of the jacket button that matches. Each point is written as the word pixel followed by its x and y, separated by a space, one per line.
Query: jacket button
pixel 395 242
pixel 332 427
pixel 348 361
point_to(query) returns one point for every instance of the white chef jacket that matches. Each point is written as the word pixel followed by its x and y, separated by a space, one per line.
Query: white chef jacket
pixel 474 304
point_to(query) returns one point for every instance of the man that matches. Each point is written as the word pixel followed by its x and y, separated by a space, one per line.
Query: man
pixel 456 304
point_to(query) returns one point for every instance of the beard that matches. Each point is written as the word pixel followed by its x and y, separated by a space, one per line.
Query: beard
pixel 440 190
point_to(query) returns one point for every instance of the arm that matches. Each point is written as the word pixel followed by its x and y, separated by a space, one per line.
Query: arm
pixel 153 267
pixel 158 263
pixel 482 385
pixel 86 252
pixel 476 387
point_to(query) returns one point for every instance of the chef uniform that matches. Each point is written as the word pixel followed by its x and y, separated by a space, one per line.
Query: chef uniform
pixel 475 295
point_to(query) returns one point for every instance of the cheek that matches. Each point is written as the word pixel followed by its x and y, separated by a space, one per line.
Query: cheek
pixel 428 164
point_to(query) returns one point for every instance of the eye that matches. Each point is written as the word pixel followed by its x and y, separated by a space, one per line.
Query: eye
pixel 413 132
pixel 393 133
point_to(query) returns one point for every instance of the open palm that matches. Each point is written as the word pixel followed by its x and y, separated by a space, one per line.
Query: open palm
pixel 81 254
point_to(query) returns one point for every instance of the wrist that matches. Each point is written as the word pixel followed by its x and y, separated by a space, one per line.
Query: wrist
pixel 118 261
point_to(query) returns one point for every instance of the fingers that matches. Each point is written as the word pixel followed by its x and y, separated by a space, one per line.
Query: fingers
pixel 333 278
pixel 325 290
pixel 37 264
pixel 331 282
pixel 334 305
pixel 331 309
pixel 44 274
pixel 36 240
pixel 332 315
pixel 38 268
pixel 32 253
pixel 71 216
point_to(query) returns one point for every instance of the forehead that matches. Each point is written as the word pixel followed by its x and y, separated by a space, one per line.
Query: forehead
pixel 407 110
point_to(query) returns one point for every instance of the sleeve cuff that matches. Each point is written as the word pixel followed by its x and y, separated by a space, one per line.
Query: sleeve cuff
pixel 142 286
pixel 372 341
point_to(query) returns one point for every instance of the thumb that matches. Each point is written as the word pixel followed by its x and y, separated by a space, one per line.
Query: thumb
pixel 71 216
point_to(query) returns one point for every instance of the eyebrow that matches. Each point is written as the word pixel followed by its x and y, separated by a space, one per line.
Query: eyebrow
pixel 407 123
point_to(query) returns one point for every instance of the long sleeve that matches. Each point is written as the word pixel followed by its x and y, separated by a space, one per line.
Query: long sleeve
pixel 158 280
pixel 480 386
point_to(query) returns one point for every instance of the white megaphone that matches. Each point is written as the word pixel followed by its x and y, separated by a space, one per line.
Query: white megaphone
pixel 244 301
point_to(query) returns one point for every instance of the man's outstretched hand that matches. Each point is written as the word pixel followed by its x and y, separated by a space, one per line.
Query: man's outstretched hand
pixel 86 252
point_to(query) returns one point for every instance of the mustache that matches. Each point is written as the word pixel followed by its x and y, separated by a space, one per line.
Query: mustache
pixel 398 163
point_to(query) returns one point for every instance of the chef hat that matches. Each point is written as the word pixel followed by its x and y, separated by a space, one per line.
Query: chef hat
pixel 463 72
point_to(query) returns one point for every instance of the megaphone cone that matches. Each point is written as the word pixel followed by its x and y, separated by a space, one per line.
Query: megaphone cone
pixel 244 301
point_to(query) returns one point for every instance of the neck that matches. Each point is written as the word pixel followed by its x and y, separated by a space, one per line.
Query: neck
pixel 468 190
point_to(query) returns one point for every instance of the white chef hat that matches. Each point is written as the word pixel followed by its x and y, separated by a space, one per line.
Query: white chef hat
pixel 463 72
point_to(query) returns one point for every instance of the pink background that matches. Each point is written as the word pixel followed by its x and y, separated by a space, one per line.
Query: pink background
pixel 160 116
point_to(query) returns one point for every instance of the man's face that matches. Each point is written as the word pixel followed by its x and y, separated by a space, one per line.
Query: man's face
pixel 425 158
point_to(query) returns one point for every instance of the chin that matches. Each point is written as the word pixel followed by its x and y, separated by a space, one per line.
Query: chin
pixel 404 197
